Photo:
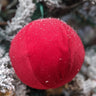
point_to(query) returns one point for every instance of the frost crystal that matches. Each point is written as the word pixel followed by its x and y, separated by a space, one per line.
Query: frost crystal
pixel 8 80
pixel 88 70
pixel 21 18
pixel 6 74
pixel 52 3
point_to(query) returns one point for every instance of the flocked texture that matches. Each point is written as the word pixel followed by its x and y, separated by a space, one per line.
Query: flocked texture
pixel 46 53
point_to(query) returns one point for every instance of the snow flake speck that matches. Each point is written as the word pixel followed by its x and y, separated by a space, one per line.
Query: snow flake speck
pixel 60 58
pixel 77 69
pixel 46 81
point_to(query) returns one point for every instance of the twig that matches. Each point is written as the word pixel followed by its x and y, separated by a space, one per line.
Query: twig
pixel 62 10
pixel 3 23
pixel 12 4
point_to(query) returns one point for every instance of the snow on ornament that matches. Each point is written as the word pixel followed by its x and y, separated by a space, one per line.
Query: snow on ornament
pixel 46 53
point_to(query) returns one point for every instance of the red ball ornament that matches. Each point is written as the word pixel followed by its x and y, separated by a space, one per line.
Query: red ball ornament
pixel 46 53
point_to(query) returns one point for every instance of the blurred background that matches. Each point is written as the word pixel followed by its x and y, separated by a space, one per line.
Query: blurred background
pixel 80 14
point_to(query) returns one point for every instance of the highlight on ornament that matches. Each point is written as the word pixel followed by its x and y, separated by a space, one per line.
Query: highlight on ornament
pixel 46 53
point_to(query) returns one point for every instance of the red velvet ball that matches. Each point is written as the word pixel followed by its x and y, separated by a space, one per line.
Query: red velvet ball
pixel 46 53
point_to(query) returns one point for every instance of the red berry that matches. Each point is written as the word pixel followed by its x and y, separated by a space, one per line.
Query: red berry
pixel 46 53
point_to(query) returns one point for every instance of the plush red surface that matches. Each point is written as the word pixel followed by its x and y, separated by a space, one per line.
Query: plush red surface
pixel 46 53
